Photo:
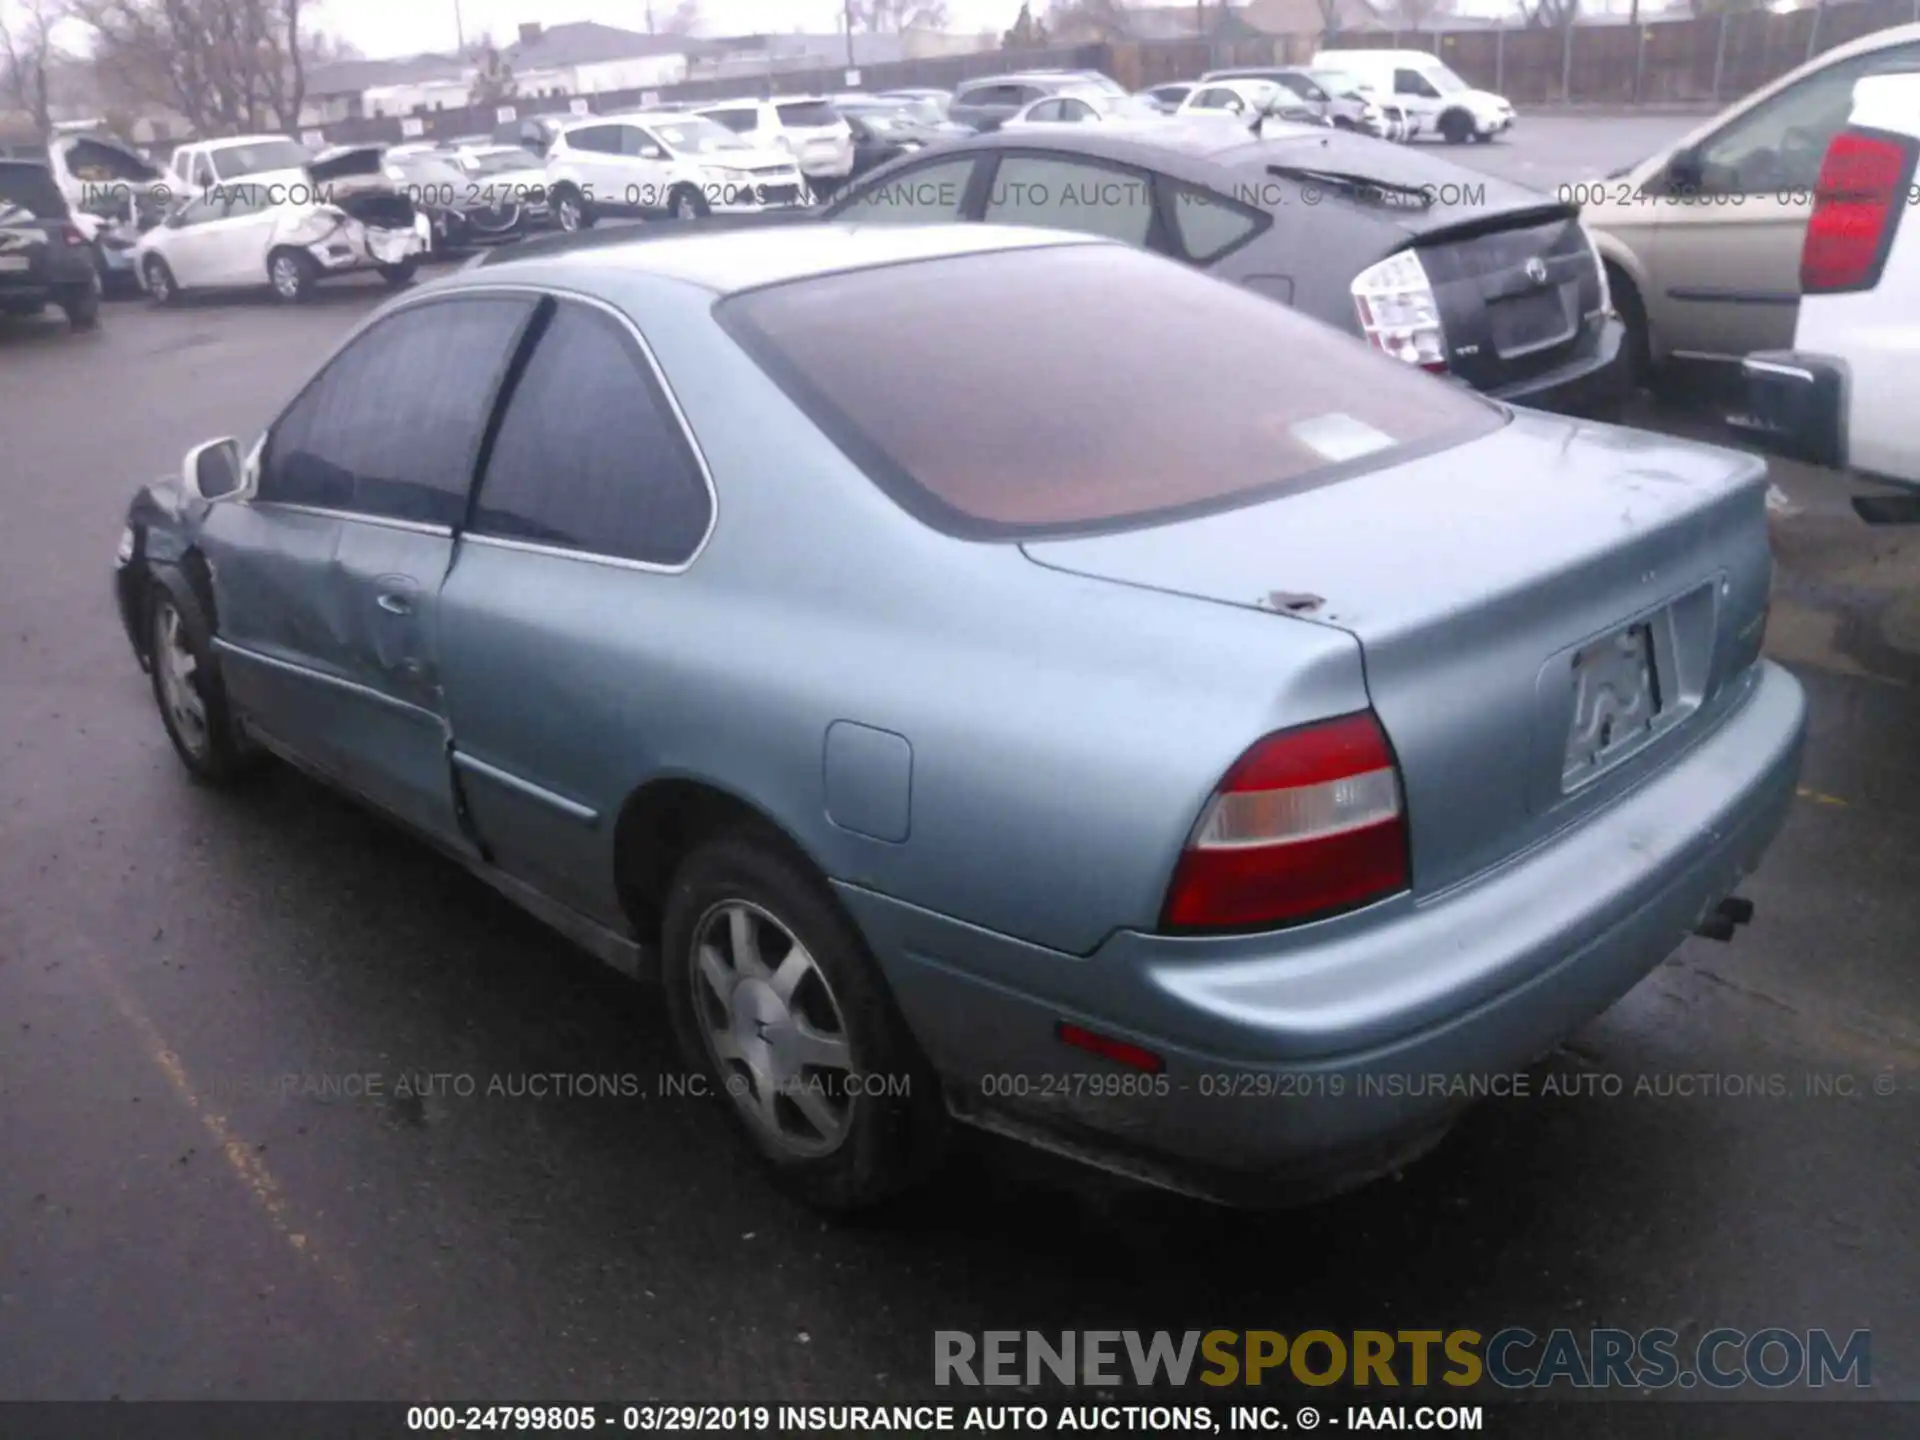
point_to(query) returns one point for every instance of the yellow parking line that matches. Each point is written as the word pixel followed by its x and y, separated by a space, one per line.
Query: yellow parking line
pixel 243 1160
pixel 1818 797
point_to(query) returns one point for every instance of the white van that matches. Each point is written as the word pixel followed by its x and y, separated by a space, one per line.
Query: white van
pixel 1437 101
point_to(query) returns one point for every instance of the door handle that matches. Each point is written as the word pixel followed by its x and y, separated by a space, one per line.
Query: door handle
pixel 395 604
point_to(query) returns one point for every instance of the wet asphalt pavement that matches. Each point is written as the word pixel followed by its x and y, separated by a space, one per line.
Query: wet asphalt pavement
pixel 209 1187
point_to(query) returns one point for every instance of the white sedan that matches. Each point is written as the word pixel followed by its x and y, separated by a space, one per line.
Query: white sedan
pixel 1085 107
pixel 287 229
pixel 1242 99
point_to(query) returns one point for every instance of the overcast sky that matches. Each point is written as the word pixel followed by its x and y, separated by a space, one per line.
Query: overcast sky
pixel 406 27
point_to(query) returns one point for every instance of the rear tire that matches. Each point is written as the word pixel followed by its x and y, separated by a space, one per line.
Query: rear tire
pixel 293 275
pixel 81 303
pixel 776 999
pixel 401 274
pixel 686 203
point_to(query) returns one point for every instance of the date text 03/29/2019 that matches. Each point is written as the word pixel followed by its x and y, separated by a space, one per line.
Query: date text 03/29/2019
pixel 749 1420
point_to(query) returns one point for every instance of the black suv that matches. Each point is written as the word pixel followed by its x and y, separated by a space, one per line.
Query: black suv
pixel 44 259
pixel 1463 274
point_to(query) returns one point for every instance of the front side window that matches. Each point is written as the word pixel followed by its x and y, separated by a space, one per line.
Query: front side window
pixel 1779 144
pixel 590 455
pixel 1077 111
pixel 925 194
pixel 1077 195
pixel 392 427
pixel 1133 388
pixel 595 139
pixel 1413 82
pixel 1218 99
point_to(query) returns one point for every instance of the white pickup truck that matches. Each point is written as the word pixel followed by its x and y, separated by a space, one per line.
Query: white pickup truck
pixel 1846 395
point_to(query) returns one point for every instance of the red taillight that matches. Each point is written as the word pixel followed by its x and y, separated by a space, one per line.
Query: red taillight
pixel 1108 1048
pixel 1306 823
pixel 1856 205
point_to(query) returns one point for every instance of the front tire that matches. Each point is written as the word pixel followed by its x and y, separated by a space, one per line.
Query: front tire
pixel 160 282
pixel 776 999
pixel 293 275
pixel 686 203
pixel 399 275
pixel 189 692
pixel 1456 127
pixel 571 211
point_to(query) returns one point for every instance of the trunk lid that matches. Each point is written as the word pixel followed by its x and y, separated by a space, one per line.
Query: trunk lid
pixel 1519 295
pixel 1508 596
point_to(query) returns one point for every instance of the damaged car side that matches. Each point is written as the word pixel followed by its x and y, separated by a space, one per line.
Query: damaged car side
pixel 289 229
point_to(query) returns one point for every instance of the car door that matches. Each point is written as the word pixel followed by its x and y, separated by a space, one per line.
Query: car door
pixel 237 239
pixel 1075 192
pixel 189 246
pixel 1725 248
pixel 592 154
pixel 593 501
pixel 1416 94
pixel 645 168
pixel 326 578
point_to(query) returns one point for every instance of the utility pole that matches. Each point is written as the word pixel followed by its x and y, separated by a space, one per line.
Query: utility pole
pixel 459 29
pixel 650 17
pixel 846 10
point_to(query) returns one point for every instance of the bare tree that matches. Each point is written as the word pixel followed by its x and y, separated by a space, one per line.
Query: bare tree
pixel 1414 14
pixel 1549 14
pixel 1026 32
pixel 26 53
pixel 882 17
pixel 493 79
pixel 226 65
pixel 684 20
pixel 1093 20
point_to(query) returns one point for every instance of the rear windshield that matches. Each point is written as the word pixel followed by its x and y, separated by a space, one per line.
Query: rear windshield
pixel 30 188
pixel 805 113
pixel 1078 387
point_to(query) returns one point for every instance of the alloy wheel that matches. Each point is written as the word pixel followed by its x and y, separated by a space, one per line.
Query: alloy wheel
pixel 177 669
pixel 286 277
pixel 773 1028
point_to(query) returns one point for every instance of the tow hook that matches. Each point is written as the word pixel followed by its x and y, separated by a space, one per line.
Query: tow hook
pixel 1725 918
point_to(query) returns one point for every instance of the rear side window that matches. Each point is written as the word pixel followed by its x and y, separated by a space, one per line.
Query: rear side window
pixel 808 114
pixel 738 121
pixel 31 188
pixel 590 455
pixel 392 427
pixel 1207 225
pixel 1189 396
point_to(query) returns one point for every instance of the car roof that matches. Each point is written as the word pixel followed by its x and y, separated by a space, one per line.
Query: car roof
pixel 229 141
pixel 729 261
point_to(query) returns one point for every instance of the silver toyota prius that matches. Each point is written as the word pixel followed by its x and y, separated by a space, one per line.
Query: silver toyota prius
pixel 999 676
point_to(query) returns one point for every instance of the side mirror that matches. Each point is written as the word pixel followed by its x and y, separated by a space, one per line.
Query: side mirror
pixel 213 470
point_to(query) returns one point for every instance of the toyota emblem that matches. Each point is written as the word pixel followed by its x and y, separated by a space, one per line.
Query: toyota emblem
pixel 1537 270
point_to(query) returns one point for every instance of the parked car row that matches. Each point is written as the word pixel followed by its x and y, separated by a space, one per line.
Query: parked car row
pixel 1492 284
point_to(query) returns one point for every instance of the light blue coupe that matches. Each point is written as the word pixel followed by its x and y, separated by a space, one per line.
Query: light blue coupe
pixel 999 675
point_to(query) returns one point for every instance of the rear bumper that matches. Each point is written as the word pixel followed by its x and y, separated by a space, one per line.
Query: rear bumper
pixel 1319 1056
pixel 1796 406
pixel 1596 385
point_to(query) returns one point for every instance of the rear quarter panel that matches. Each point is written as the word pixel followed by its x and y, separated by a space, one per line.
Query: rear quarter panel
pixel 1064 732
